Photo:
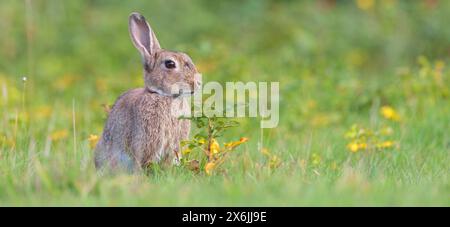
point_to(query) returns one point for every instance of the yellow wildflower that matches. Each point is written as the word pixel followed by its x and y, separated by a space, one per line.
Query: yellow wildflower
pixel 385 144
pixel 93 139
pixel 353 147
pixel 365 4
pixel 362 146
pixel 202 141
pixel 214 147
pixel 209 167
pixel 58 135
pixel 389 113
pixel 232 145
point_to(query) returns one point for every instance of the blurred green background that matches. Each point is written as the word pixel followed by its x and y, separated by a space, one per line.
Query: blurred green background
pixel 375 64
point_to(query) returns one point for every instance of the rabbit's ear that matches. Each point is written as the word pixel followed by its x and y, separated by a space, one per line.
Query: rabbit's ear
pixel 142 36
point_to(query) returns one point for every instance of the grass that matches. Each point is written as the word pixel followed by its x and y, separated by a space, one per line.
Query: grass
pixel 337 65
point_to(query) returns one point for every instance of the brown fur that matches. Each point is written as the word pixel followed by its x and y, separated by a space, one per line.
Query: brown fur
pixel 141 129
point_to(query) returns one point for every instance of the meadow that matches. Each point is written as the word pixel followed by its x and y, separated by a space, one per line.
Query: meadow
pixel 364 101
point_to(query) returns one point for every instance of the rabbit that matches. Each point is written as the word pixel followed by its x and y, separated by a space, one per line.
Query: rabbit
pixel 143 126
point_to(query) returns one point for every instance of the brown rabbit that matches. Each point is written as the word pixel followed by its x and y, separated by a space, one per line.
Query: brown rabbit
pixel 143 125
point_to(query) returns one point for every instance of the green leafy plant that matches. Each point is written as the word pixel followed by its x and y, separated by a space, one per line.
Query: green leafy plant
pixel 206 141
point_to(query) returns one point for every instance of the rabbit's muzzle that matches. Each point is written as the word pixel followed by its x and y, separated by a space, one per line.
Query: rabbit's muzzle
pixel 187 88
pixel 184 91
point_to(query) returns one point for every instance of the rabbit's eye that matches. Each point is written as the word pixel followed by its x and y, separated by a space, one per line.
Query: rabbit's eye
pixel 170 64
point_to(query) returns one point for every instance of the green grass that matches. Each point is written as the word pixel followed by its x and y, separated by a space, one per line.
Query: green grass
pixel 337 66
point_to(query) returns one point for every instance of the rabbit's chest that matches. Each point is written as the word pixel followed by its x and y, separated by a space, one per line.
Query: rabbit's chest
pixel 162 129
pixel 166 139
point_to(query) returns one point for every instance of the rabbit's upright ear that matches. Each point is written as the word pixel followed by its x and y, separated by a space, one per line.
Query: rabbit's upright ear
pixel 143 37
